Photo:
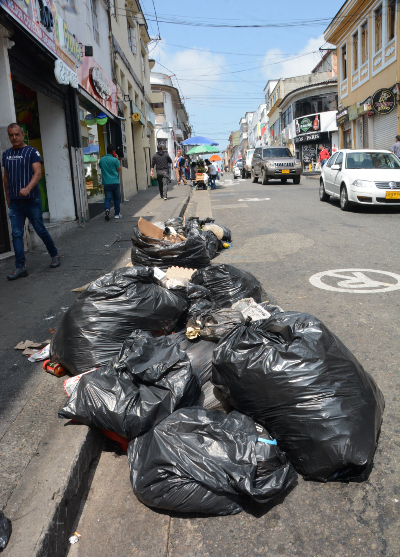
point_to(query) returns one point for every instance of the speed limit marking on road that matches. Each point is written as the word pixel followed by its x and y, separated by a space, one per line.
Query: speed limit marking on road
pixel 359 281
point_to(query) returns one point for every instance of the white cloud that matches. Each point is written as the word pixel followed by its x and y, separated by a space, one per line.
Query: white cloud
pixel 301 63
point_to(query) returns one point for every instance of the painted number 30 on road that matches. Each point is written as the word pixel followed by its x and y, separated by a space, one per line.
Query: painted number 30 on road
pixel 360 281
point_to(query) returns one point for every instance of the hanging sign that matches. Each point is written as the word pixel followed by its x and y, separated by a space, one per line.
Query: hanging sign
pixel 136 117
pixel 308 123
pixel 100 82
pixel 342 117
pixel 383 101
pixel 65 75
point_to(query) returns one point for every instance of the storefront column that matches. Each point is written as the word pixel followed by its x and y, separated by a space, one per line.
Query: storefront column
pixel 7 112
pixel 140 161
pixel 57 164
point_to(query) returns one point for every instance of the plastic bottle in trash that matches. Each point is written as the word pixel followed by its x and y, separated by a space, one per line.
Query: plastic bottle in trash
pixel 53 368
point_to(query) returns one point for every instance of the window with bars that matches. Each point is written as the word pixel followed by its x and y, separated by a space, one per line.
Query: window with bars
pixel 95 21
pixel 378 29
pixel 391 20
pixel 355 51
pixel 132 38
pixel 364 42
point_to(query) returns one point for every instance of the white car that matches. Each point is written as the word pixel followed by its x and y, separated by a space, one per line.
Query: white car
pixel 364 176
pixel 237 170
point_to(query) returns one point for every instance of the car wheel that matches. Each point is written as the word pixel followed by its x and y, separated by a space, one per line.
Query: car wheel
pixel 296 180
pixel 283 180
pixel 254 178
pixel 264 178
pixel 344 200
pixel 323 196
pixel 234 176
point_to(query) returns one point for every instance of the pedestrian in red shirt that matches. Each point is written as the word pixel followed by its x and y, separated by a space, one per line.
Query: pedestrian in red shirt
pixel 323 155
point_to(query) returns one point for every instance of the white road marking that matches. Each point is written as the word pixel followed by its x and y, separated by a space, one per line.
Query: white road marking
pixel 255 199
pixel 356 280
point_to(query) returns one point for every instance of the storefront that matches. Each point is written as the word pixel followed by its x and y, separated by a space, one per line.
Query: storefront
pixel 42 98
pixel 99 126
pixel 309 137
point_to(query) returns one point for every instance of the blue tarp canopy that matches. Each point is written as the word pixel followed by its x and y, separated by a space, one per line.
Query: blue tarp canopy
pixel 90 149
pixel 198 140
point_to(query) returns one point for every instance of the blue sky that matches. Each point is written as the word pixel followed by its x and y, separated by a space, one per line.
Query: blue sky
pixel 222 72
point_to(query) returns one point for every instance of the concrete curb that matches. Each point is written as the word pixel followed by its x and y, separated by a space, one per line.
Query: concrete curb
pixel 44 505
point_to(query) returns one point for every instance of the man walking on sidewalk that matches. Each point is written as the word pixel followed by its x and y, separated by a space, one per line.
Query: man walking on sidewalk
pixel 22 172
pixel 161 160
pixel 110 169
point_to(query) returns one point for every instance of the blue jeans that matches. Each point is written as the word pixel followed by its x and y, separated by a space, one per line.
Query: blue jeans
pixel 111 191
pixel 323 162
pixel 21 209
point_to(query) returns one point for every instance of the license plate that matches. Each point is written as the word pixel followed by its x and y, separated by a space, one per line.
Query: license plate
pixel 285 171
pixel 392 195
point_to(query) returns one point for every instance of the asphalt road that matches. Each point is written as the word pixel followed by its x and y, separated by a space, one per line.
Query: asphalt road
pixel 284 235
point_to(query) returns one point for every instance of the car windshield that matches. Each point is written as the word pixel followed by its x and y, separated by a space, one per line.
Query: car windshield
pixel 239 164
pixel 276 153
pixel 372 161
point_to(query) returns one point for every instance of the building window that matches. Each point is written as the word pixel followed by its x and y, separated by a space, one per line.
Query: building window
pixel 364 42
pixel 279 92
pixel 344 62
pixel 132 38
pixel 143 66
pixel 355 51
pixel 391 19
pixel 378 29
pixel 95 21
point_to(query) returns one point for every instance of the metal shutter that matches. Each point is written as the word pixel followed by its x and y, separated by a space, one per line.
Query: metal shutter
pixel 365 132
pixel 385 130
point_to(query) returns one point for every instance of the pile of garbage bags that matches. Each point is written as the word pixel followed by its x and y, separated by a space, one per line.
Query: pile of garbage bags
pixel 221 395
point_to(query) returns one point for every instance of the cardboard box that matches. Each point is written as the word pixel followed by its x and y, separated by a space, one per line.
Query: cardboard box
pixel 150 230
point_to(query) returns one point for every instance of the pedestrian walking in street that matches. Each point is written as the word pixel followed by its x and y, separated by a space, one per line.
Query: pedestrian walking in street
pixel 323 155
pixel 22 172
pixel 160 161
pixel 179 165
pixel 110 170
pixel 396 147
pixel 212 171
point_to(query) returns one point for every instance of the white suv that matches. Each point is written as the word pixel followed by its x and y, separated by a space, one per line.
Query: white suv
pixel 237 170
pixel 365 176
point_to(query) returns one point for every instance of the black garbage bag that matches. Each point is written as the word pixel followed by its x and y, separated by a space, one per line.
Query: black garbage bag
pixel 211 398
pixel 297 379
pixel 214 324
pixel 212 242
pixel 93 329
pixel 228 284
pixel 177 224
pixel 205 461
pixel 227 237
pixel 149 379
pixel 199 352
pixel 5 530
pixel 151 252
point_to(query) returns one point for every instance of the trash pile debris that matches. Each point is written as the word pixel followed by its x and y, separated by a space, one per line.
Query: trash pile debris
pixel 220 393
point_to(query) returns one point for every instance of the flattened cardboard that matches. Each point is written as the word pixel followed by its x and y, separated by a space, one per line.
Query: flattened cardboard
pixel 149 229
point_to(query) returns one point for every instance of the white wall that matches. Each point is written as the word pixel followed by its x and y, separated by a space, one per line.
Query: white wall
pixel 56 160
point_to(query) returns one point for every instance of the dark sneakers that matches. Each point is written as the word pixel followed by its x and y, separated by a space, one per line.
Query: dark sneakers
pixel 18 273
pixel 55 261
pixel 107 217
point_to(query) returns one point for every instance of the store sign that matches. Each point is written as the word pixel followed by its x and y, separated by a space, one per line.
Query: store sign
pixel 353 112
pixel 68 40
pixel 65 75
pixel 100 82
pixel 136 117
pixel 304 125
pixel 307 137
pixel 383 101
pixel 342 117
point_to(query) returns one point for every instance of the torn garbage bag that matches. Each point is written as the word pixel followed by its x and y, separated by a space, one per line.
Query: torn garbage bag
pixel 228 284
pixel 213 324
pixel 153 252
pixel 5 530
pixel 297 379
pixel 149 379
pixel 204 461
pixel 93 329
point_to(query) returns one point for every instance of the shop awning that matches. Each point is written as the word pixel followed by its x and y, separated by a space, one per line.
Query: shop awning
pixel 88 158
pixel 95 103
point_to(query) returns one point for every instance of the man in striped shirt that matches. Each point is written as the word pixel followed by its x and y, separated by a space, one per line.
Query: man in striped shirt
pixel 22 172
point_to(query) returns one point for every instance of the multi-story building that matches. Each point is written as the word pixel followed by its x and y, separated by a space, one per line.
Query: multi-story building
pixel 366 34
pixel 258 134
pixel 328 63
pixel 172 120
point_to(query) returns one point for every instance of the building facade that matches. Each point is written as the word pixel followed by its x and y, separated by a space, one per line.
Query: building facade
pixel 366 34
pixel 172 120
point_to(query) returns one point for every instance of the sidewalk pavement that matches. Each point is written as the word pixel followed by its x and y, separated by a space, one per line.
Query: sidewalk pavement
pixel 44 465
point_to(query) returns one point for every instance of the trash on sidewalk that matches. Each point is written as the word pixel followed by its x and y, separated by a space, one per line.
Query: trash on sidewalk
pixel 75 538
pixel 54 368
pixel 228 284
pixel 297 379
pixel 205 461
pixel 249 308
pixel 213 324
pixel 5 530
pixel 211 398
pixel 30 348
pixel 93 329
pixel 43 354
pixel 199 352
pixel 72 382
pixel 147 381
pixel 81 288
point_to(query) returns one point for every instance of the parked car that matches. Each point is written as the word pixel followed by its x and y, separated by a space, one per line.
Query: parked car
pixel 365 176
pixel 246 169
pixel 275 162
pixel 237 169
